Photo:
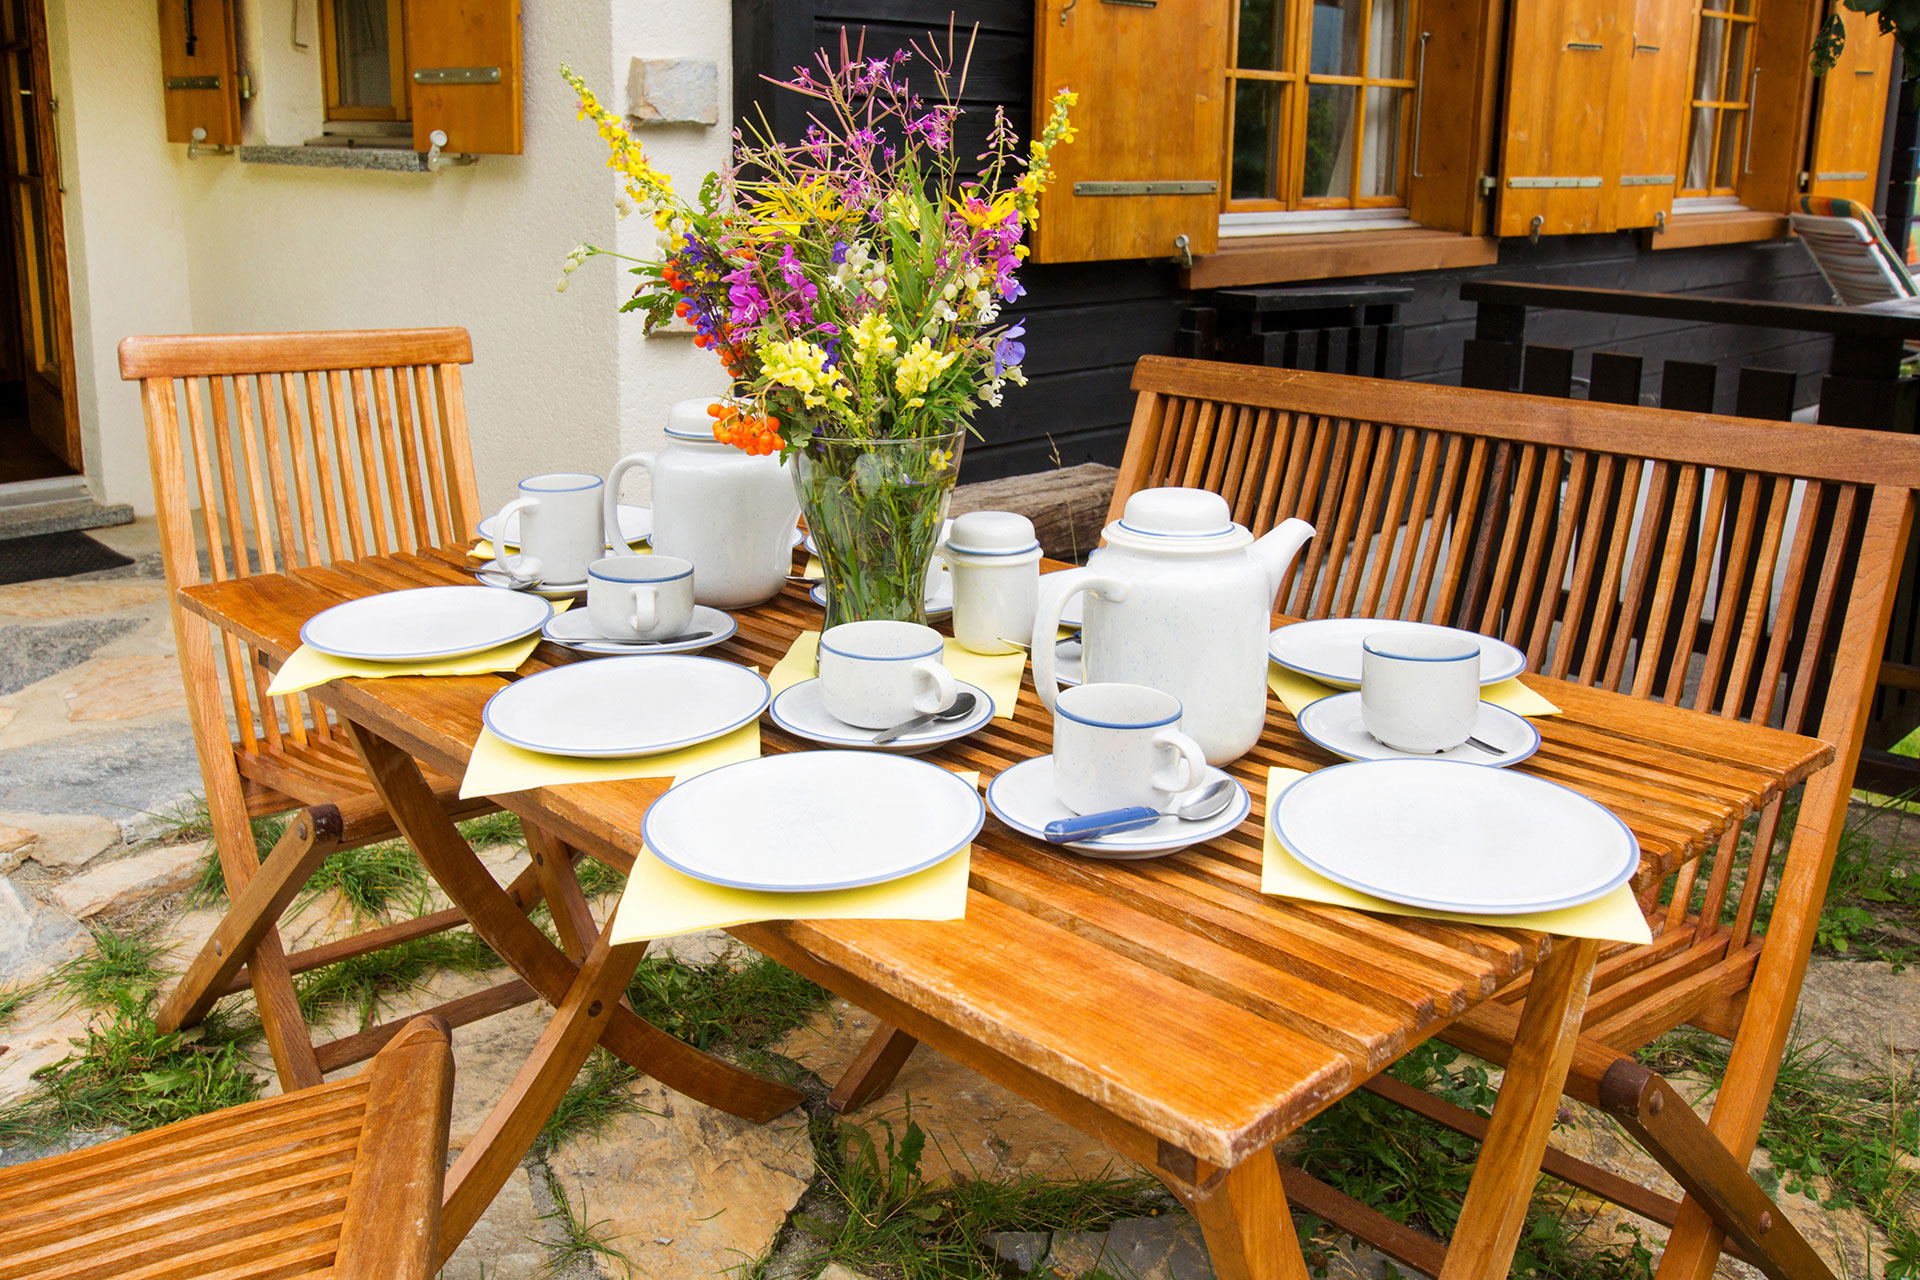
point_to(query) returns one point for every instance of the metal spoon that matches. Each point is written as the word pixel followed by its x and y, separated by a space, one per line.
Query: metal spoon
pixel 1210 803
pixel 527 574
pixel 959 709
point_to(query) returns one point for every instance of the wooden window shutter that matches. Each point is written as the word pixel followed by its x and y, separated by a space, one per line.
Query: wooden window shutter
pixel 1769 173
pixel 466 74
pixel 1456 56
pixel 1849 113
pixel 1555 157
pixel 1651 128
pixel 1152 86
pixel 201 86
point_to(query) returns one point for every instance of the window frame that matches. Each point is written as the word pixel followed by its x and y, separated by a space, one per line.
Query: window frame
pixel 1719 11
pixel 399 68
pixel 1296 80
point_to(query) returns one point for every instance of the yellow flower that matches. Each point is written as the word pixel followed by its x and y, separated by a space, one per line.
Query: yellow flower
pixel 919 369
pixel 801 365
pixel 872 337
pixel 644 182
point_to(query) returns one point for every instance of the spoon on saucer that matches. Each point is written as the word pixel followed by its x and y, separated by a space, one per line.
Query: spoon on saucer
pixel 1210 803
pixel 527 572
pixel 959 709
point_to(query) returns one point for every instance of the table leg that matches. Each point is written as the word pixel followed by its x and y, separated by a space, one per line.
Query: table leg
pixel 1244 1217
pixel 505 928
pixel 869 1074
pixel 1516 1141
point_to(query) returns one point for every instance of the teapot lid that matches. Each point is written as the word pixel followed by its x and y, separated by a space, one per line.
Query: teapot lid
pixel 689 419
pixel 991 533
pixel 1173 519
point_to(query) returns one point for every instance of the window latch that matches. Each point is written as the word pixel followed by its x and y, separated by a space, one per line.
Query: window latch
pixel 1533 228
pixel 437 159
pixel 1183 251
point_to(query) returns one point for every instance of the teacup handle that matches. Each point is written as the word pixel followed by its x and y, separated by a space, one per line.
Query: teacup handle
pixel 1046 622
pixel 940 687
pixel 611 513
pixel 1188 759
pixel 646 608
pixel 511 563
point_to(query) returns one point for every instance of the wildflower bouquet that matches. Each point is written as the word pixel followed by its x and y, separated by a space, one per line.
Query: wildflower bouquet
pixel 853 283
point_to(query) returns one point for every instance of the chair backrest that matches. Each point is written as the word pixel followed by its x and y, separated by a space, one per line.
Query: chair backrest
pixel 1738 567
pixel 299 449
pixel 1852 252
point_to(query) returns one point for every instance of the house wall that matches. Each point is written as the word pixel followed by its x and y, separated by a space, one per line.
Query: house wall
pixel 159 243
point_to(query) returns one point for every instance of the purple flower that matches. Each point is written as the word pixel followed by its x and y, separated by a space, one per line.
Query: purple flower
pixel 1008 351
pixel 839 252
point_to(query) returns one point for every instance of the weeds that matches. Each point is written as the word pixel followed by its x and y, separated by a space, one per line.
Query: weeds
pixel 364 984
pixel 596 1098
pixel 117 964
pixel 371 880
pixel 498 827
pixel 11 998
pixel 716 1003
pixel 580 1240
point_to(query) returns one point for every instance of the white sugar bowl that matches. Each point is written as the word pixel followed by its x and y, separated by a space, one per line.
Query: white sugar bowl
pixel 995 561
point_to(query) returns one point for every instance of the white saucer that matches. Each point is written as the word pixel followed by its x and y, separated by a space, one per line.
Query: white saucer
pixel 801 711
pixel 422 623
pixel 1024 799
pixel 1328 650
pixel 939 601
pixel 636 525
pixel 627 706
pixel 490 574
pixel 574 629
pixel 1334 723
pixel 1070 661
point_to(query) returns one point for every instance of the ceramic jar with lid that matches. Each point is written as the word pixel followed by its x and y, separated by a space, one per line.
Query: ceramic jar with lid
pixel 995 561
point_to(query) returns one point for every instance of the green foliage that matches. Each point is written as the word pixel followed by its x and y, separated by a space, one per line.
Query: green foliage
pixel 11 998
pixel 597 878
pixel 366 984
pixel 581 1240
pixel 116 964
pixel 499 827
pixel 717 1003
pixel 1898 18
pixel 372 880
pixel 597 1096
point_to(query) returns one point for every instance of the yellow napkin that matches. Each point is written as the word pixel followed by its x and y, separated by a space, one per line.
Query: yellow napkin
pixel 660 902
pixel 1613 918
pixel 305 667
pixel 997 673
pixel 1295 691
pixel 814 568
pixel 496 768
pixel 483 550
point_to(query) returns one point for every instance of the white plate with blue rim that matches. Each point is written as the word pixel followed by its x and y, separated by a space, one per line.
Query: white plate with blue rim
pixel 802 711
pixel 1454 837
pixel 1025 799
pixel 636 525
pixel 1335 723
pixel 629 706
pixel 1328 650
pixel 809 821
pixel 424 623
pixel 574 629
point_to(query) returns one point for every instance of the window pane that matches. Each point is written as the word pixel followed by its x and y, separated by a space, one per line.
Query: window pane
pixel 1256 137
pixel 1380 147
pixel 1699 149
pixel 1737 38
pixel 1713 59
pixel 1730 122
pixel 1386 43
pixel 361 52
pixel 1328 162
pixel 1262 24
pixel 1336 37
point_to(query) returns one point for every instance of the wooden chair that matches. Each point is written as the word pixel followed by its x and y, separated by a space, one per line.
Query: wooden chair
pixel 342 1180
pixel 1741 568
pixel 298 450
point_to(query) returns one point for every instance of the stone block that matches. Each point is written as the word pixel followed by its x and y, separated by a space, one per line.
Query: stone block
pixel 64 840
pixel 1021 1250
pixel 130 880
pixel 122 688
pixel 34 937
pixel 673 91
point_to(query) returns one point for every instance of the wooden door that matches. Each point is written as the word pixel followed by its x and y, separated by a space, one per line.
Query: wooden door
pixel 1562 57
pixel 1145 168
pixel 1651 128
pixel 1850 110
pixel 466 74
pixel 30 160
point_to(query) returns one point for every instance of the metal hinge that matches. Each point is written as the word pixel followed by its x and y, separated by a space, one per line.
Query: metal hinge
pixel 1489 183
pixel 1198 188
pixel 1646 180
pixel 1841 177
pixel 1536 184
pixel 457 75
pixel 193 82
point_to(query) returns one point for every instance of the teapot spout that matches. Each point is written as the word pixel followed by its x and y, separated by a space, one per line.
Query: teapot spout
pixel 1275 552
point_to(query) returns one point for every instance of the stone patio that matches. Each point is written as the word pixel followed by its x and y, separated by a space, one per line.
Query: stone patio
pixel 96 757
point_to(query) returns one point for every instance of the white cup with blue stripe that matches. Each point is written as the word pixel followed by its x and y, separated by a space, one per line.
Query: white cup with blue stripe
pixel 640 597
pixel 1419 690
pixel 877 674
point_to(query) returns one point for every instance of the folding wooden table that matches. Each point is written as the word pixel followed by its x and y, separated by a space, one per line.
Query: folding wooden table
pixel 1166 1007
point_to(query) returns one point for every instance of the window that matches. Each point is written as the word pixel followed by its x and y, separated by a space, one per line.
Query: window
pixel 1320 100
pixel 363 60
pixel 1722 92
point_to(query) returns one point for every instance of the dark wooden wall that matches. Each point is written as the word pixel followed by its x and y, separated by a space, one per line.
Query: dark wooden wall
pixel 1088 323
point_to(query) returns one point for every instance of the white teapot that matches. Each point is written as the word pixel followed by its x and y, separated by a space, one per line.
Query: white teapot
pixel 1180 598
pixel 730 513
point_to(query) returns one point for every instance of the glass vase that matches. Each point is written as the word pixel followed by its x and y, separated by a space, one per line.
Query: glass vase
pixel 874 507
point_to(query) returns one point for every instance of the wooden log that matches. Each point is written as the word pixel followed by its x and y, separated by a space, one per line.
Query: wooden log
pixel 1068 506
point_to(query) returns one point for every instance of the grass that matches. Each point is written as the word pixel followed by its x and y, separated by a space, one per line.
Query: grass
pixel 119 962
pixel 372 881
pixel 11 998
pixel 596 1098
pixel 580 1239
pixel 722 1001
pixel 365 985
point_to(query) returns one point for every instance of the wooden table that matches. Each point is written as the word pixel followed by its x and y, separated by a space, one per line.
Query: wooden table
pixel 1166 1007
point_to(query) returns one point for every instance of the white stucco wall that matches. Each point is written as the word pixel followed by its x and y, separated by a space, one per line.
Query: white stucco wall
pixel 161 244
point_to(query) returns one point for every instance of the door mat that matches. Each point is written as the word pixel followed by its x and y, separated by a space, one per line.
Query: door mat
pixel 54 555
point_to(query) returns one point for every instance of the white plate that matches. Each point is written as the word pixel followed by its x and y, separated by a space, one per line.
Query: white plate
pixel 800 710
pixel 426 622
pixel 636 525
pixel 1329 650
pixel 1023 797
pixel 1076 608
pixel 1070 662
pixel 490 574
pixel 574 629
pixel 939 601
pixel 1335 724
pixel 633 706
pixel 1454 837
pixel 806 821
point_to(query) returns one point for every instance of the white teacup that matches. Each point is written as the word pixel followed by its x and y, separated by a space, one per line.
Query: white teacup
pixel 878 674
pixel 1419 691
pixel 640 597
pixel 1117 745
pixel 560 525
pixel 995 561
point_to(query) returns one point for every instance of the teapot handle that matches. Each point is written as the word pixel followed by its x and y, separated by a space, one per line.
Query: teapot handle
pixel 611 514
pixel 1046 623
